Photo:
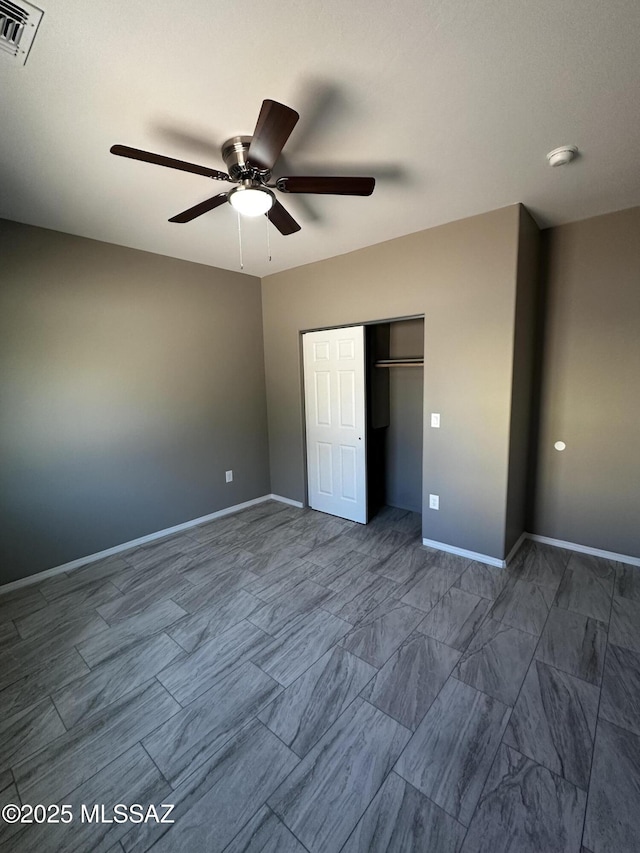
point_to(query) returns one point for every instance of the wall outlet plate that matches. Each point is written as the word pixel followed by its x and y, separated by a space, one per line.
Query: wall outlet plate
pixel 228 476
pixel 434 501
pixel 435 419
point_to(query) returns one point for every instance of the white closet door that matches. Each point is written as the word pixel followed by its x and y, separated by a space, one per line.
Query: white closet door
pixel 334 383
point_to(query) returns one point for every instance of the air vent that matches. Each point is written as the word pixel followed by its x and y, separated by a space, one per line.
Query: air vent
pixel 18 27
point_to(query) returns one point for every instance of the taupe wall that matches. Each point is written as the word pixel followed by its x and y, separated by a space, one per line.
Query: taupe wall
pixel 129 383
pixel 404 436
pixel 522 385
pixel 590 492
pixel 462 278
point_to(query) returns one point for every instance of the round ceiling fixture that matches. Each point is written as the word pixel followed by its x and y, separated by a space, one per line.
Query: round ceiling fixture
pixel 561 156
pixel 251 201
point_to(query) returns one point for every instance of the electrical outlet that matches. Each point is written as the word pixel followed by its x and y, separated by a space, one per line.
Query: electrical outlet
pixel 434 501
pixel 435 420
pixel 228 476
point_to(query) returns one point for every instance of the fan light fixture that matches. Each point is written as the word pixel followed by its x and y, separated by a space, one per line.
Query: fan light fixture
pixel 251 201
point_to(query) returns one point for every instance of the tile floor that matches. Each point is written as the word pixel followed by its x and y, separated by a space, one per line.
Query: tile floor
pixel 292 682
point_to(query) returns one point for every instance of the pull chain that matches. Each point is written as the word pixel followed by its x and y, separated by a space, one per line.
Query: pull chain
pixel 240 243
pixel 268 240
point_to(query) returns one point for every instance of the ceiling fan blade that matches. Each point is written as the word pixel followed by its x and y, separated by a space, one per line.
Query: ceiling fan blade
pixel 199 209
pixel 331 186
pixel 160 160
pixel 273 128
pixel 282 219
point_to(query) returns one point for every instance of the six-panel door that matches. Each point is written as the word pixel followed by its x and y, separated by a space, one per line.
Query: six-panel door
pixel 334 382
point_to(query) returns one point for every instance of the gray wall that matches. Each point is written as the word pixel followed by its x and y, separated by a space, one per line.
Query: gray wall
pixel 462 277
pixel 129 383
pixel 404 435
pixel 590 396
pixel 522 384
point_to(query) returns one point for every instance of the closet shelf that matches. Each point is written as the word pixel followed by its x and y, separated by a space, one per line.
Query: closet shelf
pixel 399 362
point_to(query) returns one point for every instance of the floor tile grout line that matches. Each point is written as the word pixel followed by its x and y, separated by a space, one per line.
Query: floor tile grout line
pixel 595 731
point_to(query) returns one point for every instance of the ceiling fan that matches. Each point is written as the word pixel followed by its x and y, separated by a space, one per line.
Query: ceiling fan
pixel 249 160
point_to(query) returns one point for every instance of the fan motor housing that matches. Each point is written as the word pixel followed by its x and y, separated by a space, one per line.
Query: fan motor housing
pixel 234 154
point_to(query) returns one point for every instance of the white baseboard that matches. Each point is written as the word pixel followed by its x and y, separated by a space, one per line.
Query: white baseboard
pixel 585 549
pixel 546 540
pixel 462 552
pixel 142 540
pixel 288 501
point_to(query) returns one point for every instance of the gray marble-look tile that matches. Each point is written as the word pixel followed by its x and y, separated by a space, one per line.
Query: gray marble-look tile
pixel 153 553
pixel 265 833
pixel 37 685
pixel 8 635
pixel 187 679
pixel 69 760
pixel 139 599
pixel 327 793
pixel 67 609
pixel 197 597
pixel 85 576
pixel 455 618
pixel 131 778
pixel 196 628
pixel 27 656
pixel 627 583
pixel 90 694
pixel 355 601
pixel 401 819
pixel 539 563
pixel 433 584
pixel 620 700
pixel 6 780
pixel 587 586
pixel 345 570
pixel 574 643
pixel 625 623
pixel 483 580
pixel 378 636
pixel 278 615
pixel 269 541
pixel 380 543
pixel 613 808
pixel 197 732
pixel 496 660
pixel 406 565
pixel 20 602
pixel 133 577
pixel 216 801
pixel 526 809
pixel 307 708
pixel 204 568
pixel 523 605
pixel 451 751
pixel 411 679
pixel 328 552
pixel 8 795
pixel 279 580
pixel 554 722
pixel 27 731
pixel 307 639
pixel 122 636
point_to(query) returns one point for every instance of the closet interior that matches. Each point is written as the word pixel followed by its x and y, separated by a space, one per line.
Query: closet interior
pixel 395 391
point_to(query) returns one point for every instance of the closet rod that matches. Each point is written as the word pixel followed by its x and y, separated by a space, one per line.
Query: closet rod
pixel 399 362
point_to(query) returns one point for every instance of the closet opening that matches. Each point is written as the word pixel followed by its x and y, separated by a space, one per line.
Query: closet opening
pixel 395 392
pixel 363 392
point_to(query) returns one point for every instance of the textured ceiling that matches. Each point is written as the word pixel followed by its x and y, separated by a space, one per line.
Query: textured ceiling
pixel 451 105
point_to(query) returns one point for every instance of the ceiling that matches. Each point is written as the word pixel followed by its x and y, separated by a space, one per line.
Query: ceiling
pixel 451 105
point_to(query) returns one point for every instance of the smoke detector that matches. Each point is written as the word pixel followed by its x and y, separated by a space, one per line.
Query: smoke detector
pixel 561 156
pixel 18 27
